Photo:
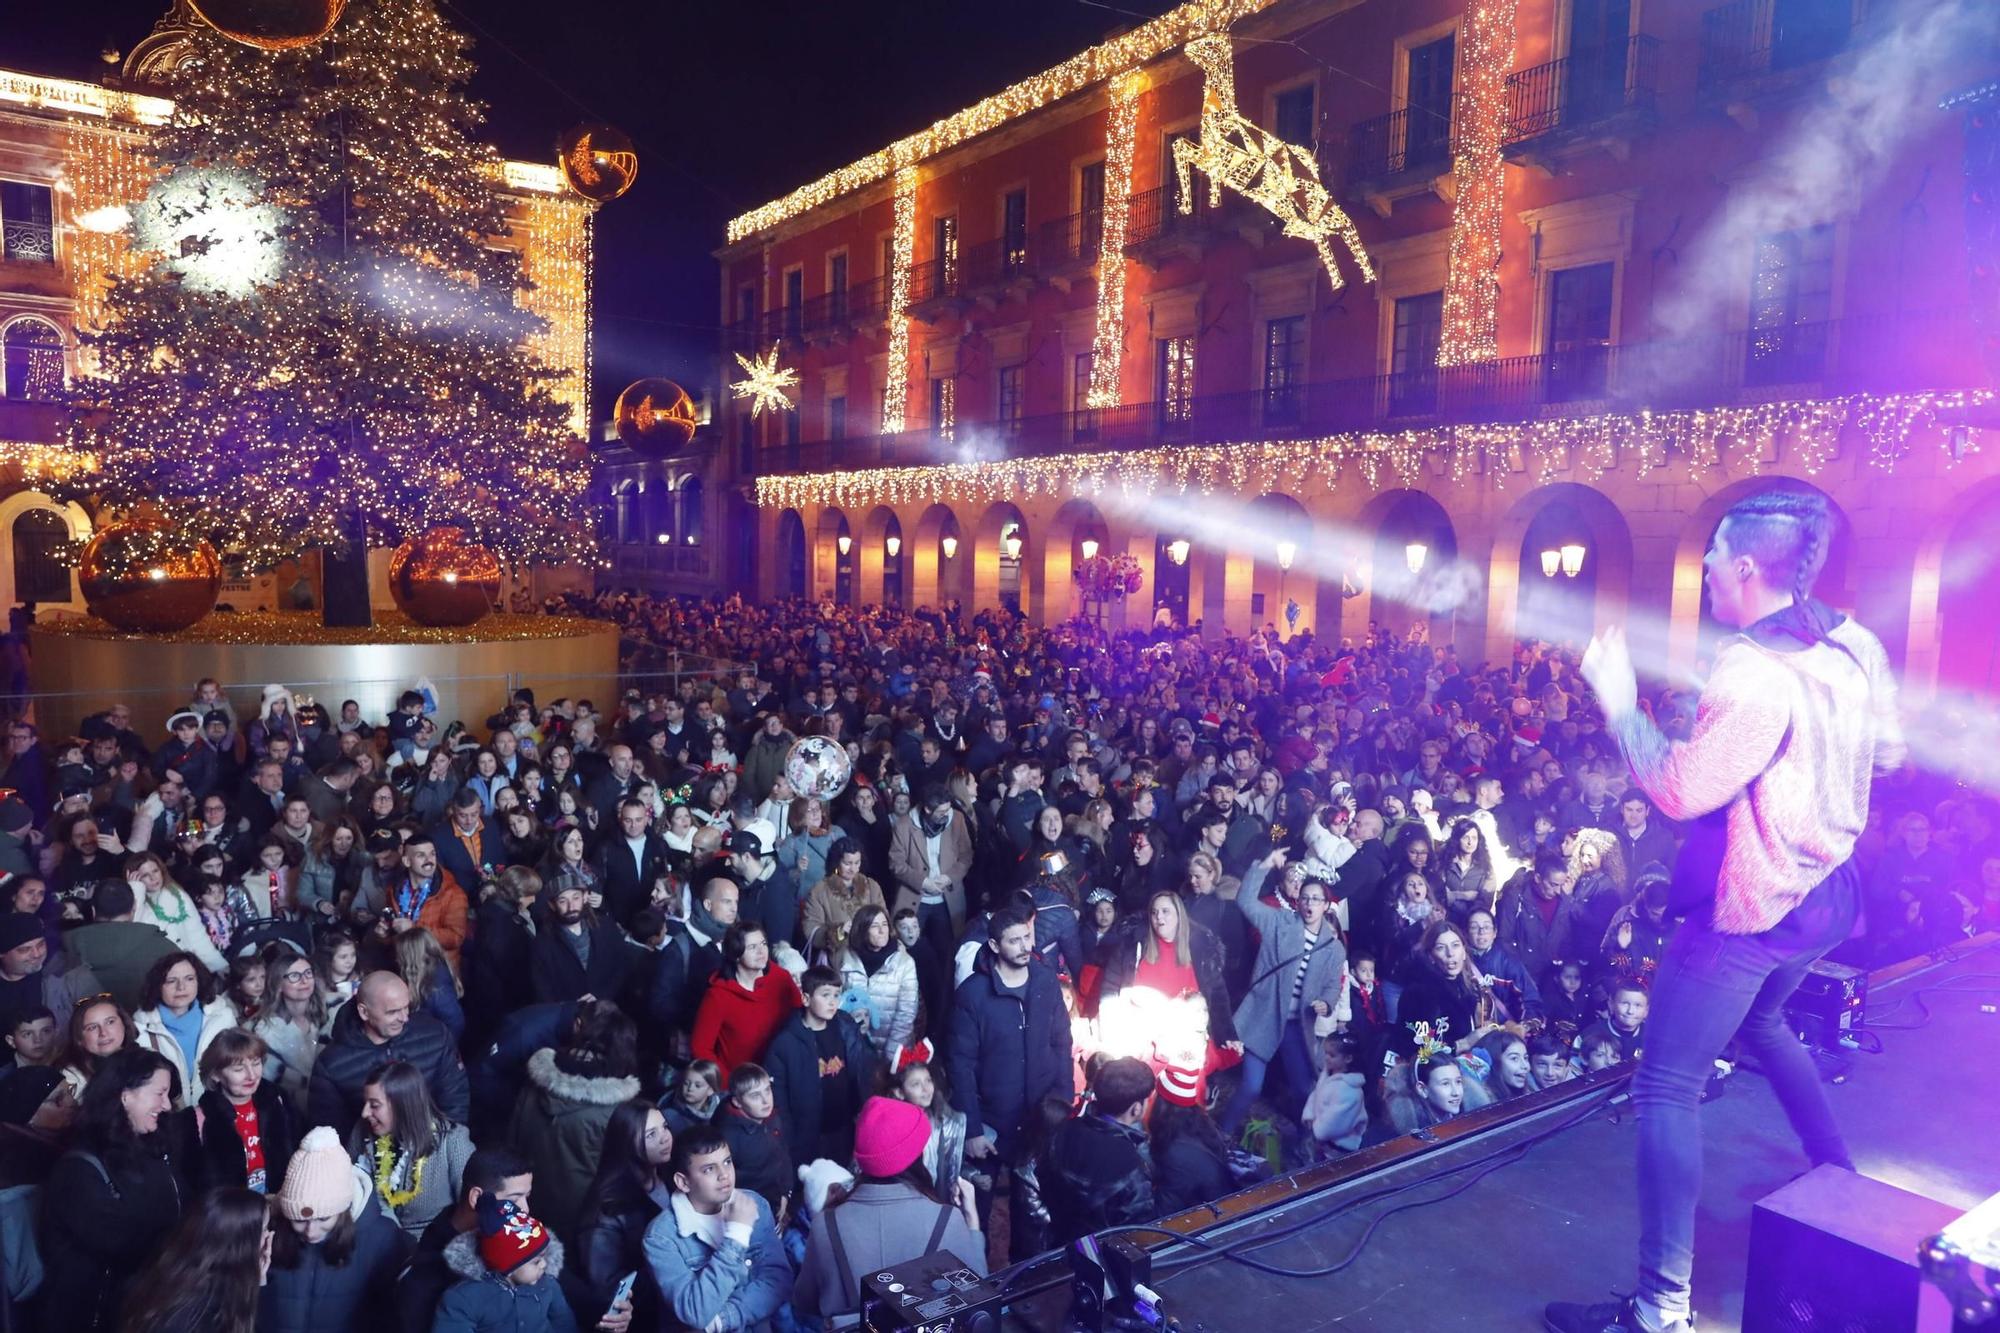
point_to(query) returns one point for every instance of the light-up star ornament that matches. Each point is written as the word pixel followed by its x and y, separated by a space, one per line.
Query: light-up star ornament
pixel 1280 177
pixel 767 382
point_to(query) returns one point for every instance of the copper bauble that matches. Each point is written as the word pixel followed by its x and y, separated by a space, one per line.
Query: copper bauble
pixel 597 161
pixel 271 25
pixel 654 417
pixel 142 575
pixel 440 578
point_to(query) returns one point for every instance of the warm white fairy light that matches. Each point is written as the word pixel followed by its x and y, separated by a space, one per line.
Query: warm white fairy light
pixel 1471 316
pixel 1107 347
pixel 902 254
pixel 765 383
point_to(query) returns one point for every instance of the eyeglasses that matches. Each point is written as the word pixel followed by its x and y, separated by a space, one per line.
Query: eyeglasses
pixel 303 974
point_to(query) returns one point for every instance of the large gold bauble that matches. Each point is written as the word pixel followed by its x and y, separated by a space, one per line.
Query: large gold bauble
pixel 655 418
pixel 143 576
pixel 597 161
pixel 439 578
pixel 271 25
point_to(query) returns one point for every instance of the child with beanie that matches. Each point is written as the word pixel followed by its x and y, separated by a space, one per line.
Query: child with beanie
pixel 890 1215
pixel 334 1253
pixel 508 1268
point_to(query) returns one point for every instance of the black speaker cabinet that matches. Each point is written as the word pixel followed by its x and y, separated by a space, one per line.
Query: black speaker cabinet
pixel 1834 1252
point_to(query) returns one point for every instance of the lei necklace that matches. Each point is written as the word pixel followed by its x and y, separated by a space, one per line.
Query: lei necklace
pixel 161 912
pixel 387 1166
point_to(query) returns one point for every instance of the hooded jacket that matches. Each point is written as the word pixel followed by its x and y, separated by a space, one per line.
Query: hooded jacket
pixel 483 1301
pixel 736 1023
pixel 318 1297
pixel 559 1126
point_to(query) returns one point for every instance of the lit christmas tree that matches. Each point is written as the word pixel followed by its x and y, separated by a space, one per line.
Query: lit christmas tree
pixel 328 349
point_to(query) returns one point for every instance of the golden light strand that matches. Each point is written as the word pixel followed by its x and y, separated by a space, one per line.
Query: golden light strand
pixel 1107 346
pixel 557 258
pixel 103 172
pixel 1471 317
pixel 902 254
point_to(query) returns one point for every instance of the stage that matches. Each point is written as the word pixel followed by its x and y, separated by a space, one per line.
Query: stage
pixel 1557 1220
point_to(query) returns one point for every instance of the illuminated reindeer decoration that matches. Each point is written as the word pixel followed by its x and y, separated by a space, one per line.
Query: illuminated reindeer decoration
pixel 1281 177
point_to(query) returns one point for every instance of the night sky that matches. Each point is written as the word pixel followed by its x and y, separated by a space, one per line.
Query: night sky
pixel 731 103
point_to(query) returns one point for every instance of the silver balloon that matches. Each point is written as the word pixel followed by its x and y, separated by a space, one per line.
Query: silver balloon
pixel 818 766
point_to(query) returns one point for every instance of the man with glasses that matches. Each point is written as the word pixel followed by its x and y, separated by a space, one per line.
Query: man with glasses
pixel 27 769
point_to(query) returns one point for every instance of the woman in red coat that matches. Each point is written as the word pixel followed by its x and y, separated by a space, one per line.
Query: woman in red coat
pixel 747 1000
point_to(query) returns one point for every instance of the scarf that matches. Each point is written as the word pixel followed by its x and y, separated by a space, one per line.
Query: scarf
pixel 873 959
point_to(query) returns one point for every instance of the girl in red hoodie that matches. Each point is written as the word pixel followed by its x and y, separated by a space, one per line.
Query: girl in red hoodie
pixel 747 1000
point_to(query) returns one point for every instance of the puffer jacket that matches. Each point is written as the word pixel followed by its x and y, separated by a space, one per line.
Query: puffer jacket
pixel 891 992
pixel 317 1297
pixel 483 1301
pixel 610 1243
pixel 558 1125
pixel 344 1063
pixel 150 1032
pixel 1096 1173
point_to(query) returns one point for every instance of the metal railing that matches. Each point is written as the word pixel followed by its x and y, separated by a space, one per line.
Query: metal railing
pixel 992 263
pixel 1752 37
pixel 933 280
pixel 1155 214
pixel 1893 353
pixel 1076 239
pixel 28 242
pixel 1582 89
pixel 1413 139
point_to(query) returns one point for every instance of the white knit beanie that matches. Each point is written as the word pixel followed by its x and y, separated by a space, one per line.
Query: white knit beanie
pixel 319 1182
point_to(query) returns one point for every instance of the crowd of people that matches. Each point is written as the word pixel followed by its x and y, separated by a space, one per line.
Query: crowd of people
pixel 616 1016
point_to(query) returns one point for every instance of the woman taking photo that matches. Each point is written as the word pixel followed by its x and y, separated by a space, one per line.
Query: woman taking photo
pixel 178 1018
pixel 413 1155
pixel 248 1132
pixel 334 1254
pixel 293 1021
pixel 112 1197
pixel 746 1002
pixel 571 1093
pixel 630 1190
pixel 875 963
pixel 209 1275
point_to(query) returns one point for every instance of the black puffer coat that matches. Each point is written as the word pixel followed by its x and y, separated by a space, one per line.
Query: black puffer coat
pixel 1120 961
pixel 105 1210
pixel 349 1057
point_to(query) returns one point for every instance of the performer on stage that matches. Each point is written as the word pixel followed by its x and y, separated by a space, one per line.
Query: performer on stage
pixel 1797 718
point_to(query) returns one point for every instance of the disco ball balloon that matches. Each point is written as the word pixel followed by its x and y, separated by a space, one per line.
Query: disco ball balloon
pixel 597 161
pixel 818 766
pixel 655 418
pixel 272 25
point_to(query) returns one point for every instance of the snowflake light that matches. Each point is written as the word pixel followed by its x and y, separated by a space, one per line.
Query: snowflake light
pixel 766 383
pixel 214 229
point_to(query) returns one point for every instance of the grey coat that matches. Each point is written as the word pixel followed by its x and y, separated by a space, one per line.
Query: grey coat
pixel 881 1224
pixel 1260 1017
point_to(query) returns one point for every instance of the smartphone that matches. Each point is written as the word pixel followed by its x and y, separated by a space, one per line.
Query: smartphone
pixel 624 1291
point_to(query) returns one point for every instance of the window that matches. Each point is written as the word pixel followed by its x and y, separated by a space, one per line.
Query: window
pixel 1014 231
pixel 691 516
pixel 1089 209
pixel 836 287
pixel 39 572
pixel 795 296
pixel 944 406
pixel 746 303
pixel 1173 373
pixel 1294 118
pixel 1082 420
pixel 1284 369
pixel 1791 299
pixel 792 430
pixel 1579 340
pixel 1419 321
pixel 27 218
pixel 32 352
pixel 1010 396
pixel 1171 174
pixel 836 417
pixel 944 256
pixel 1427 136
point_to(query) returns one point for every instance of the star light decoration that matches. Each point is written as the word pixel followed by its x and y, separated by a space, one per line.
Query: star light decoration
pixel 766 383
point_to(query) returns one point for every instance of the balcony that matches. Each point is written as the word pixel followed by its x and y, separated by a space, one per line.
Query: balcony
pixel 995 270
pixel 1751 48
pixel 1881 354
pixel 1067 248
pixel 28 242
pixel 934 289
pixel 1404 153
pixel 1595 98
pixel 1156 230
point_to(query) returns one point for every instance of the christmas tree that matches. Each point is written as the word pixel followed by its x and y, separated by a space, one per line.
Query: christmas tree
pixel 327 349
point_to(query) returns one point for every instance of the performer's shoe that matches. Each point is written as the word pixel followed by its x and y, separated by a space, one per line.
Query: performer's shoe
pixel 1621 1316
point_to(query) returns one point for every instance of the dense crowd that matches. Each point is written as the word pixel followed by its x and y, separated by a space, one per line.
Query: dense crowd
pixel 602 1015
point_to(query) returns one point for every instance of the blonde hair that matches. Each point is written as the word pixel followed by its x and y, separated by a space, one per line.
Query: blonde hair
pixel 1152 944
pixel 419 958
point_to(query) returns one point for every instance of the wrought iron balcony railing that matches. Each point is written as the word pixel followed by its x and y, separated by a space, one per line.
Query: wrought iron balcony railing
pixel 1583 89
pixel 1075 239
pixel 28 242
pixel 1748 38
pixel 1413 139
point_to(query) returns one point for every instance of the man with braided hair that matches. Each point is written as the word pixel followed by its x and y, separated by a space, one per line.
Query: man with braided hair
pixel 1797 718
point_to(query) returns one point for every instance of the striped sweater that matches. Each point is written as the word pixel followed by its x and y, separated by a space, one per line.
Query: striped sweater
pixel 1786 744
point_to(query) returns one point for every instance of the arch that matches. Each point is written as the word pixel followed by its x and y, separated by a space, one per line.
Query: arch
pixel 1076 522
pixel 792 555
pixel 1438 590
pixel 1000 579
pixel 1954 621
pixel 1523 601
pixel 75 526
pixel 935 577
pixel 882 578
pixel 625 502
pixel 1692 633
pixel 1283 572
pixel 656 505
pixel 1172 580
pixel 692 522
pixel 833 568
pixel 739 519
pixel 31 359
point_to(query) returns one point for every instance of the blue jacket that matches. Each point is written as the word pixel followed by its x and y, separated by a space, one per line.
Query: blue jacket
pixel 1008 1052
pixel 745 1284
pixel 316 1297
pixel 483 1301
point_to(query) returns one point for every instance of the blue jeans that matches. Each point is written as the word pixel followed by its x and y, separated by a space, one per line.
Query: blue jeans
pixel 1291 1056
pixel 1712 987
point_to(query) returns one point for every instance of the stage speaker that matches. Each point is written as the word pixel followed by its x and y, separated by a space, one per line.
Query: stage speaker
pixel 1834 1252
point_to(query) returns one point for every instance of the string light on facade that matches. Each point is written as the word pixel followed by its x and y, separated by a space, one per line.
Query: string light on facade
pixel 1107 347
pixel 1279 177
pixel 557 259
pixel 1733 437
pixel 1470 322
pixel 902 254
pixel 1099 63
pixel 765 383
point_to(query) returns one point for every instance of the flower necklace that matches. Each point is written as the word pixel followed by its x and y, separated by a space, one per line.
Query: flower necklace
pixel 389 1165
pixel 161 912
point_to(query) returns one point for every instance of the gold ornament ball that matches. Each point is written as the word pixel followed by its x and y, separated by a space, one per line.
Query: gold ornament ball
pixel 597 161
pixel 271 25
pixel 142 576
pixel 655 417
pixel 440 578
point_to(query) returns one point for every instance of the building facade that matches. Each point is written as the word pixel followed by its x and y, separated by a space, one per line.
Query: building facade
pixel 71 155
pixel 1500 304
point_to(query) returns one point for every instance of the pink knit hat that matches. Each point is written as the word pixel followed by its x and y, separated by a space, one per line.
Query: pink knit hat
pixel 888 1136
pixel 319 1182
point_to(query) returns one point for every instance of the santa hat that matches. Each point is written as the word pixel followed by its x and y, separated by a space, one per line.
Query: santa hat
pixel 1183 1087
pixel 902 1057
pixel 508 1237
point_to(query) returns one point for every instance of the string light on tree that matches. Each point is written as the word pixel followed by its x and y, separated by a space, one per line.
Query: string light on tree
pixel 765 383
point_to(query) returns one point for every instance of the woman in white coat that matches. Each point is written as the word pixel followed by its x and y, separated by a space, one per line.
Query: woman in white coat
pixel 163 903
pixel 876 964
pixel 178 1017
